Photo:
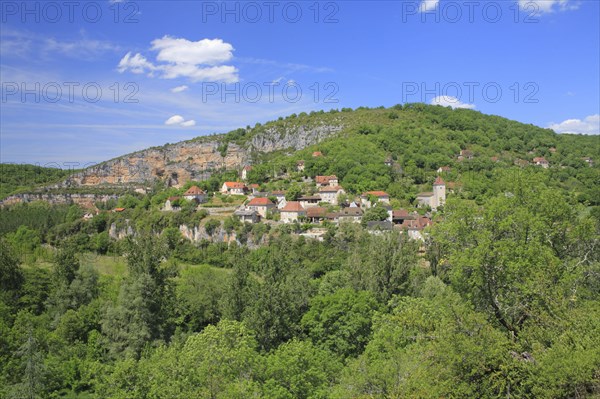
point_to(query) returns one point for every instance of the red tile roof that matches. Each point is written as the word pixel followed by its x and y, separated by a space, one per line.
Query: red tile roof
pixel 194 190
pixel 400 213
pixel 247 168
pixel 293 206
pixel 439 182
pixel 233 184
pixel 261 201
pixel 317 154
pixel 316 211
pixel 325 179
pixel 376 193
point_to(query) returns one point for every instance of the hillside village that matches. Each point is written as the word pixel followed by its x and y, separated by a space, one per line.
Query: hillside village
pixel 323 203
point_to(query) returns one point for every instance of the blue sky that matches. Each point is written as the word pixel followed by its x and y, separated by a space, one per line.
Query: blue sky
pixel 83 82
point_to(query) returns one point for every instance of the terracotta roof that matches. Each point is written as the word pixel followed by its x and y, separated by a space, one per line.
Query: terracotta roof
pixel 119 209
pixel 400 214
pixel 350 212
pixel 439 182
pixel 316 211
pixel 194 190
pixel 278 192
pixel 292 206
pixel 416 224
pixel 445 168
pixel 260 202
pixel 325 179
pixel 247 168
pixel 376 193
pixel 317 154
pixel 233 184
pixel 539 159
pixel 330 189
pixel 254 185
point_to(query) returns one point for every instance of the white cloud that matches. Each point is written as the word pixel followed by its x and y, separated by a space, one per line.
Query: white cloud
pixel 175 120
pixel 547 6
pixel 449 101
pixel 188 123
pixel 136 64
pixel 589 125
pixel 197 61
pixel 428 5
pixel 179 120
pixel 179 89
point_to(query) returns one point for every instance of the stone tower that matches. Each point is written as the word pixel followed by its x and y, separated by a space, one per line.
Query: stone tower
pixel 439 193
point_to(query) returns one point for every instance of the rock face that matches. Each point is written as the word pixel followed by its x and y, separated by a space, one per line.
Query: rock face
pixel 178 163
pixel 83 200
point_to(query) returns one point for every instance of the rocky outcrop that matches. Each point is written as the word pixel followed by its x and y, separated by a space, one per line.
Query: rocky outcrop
pixel 274 139
pixel 178 163
pixel 83 200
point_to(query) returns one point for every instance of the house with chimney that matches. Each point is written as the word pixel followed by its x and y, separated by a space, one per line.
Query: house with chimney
pixel 233 188
pixel 291 212
pixel 433 199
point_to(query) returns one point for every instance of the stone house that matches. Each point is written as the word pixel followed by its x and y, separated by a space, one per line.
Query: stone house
pixel 292 211
pixel 331 194
pixel 260 206
pixel 235 188
pixel 194 193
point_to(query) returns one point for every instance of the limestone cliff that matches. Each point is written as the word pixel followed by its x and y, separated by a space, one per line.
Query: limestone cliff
pixel 196 159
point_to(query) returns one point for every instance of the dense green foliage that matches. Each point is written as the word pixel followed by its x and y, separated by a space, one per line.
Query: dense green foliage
pixel 19 178
pixel 502 299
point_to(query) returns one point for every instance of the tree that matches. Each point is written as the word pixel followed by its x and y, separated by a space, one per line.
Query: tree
pixel 341 322
pixel 298 369
pixel 211 226
pixel 11 275
pixel 33 371
pixel 145 304
pixel 375 213
pixel 382 264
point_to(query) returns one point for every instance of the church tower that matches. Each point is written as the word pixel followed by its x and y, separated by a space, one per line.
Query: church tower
pixel 439 192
